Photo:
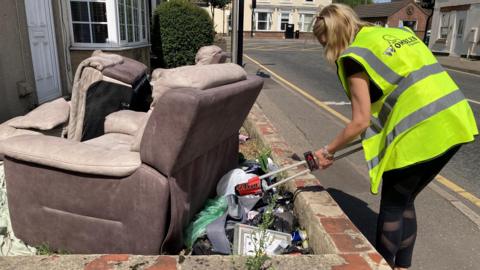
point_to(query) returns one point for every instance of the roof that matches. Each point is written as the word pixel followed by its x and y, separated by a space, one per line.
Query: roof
pixel 382 9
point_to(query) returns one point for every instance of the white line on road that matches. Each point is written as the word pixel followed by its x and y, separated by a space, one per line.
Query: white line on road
pixel 337 103
pixel 473 101
pixel 467 73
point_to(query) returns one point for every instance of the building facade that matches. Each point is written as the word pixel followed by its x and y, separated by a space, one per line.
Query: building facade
pixel 455 28
pixel 397 14
pixel 46 40
pixel 270 17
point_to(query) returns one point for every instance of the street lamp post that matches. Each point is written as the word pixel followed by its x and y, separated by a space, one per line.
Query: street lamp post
pixel 237 32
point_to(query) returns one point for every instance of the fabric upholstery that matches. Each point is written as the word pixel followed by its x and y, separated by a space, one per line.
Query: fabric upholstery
pixel 83 213
pixel 124 121
pixel 44 117
pixel 89 76
pixel 6 131
pixel 70 155
pixel 113 141
pixel 137 140
pixel 187 122
pixel 129 71
pixel 199 76
pixel 208 55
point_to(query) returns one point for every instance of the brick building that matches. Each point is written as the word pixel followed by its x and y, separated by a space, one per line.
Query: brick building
pixel 396 14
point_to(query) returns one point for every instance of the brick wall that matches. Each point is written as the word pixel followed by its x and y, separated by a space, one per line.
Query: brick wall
pixel 416 15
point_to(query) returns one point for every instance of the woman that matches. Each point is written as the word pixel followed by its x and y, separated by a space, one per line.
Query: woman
pixel 410 113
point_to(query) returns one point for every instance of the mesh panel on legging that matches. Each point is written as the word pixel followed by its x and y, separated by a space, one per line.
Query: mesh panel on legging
pixel 397 222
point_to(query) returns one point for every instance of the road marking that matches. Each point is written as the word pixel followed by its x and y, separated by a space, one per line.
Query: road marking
pixel 469 213
pixel 340 103
pixel 301 91
pixel 467 73
pixel 473 101
pixel 459 190
pixel 446 182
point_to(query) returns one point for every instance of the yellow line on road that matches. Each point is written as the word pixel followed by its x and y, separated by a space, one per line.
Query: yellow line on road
pixel 459 190
pixel 446 182
pixel 301 91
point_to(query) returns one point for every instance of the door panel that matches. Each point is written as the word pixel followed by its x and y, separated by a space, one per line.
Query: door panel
pixel 43 49
pixel 460 36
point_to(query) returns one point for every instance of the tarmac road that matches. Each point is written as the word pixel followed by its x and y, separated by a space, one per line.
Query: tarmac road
pixel 448 217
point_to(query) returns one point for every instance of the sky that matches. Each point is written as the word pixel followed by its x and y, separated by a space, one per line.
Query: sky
pixel 381 1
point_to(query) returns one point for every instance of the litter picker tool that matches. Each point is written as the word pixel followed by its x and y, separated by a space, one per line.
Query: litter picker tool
pixel 257 185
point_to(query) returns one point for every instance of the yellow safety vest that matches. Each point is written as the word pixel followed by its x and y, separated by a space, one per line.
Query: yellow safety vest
pixel 422 112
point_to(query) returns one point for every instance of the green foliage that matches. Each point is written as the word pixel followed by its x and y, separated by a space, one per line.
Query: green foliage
pixel 44 249
pixel 179 29
pixel 354 3
pixel 260 260
pixel 263 158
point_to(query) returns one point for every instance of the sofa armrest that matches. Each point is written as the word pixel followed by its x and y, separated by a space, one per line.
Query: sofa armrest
pixel 124 121
pixel 71 155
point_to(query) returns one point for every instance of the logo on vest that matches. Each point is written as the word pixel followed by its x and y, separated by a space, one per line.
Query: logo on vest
pixel 397 43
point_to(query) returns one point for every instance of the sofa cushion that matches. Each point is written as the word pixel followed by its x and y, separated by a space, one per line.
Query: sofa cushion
pixel 113 141
pixel 200 77
pixel 137 140
pixel 72 155
pixel 44 117
pixel 124 121
pixel 207 55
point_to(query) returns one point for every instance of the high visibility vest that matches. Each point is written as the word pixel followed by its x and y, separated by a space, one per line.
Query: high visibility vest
pixel 422 112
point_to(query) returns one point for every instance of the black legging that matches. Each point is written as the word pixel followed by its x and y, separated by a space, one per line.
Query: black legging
pixel 397 222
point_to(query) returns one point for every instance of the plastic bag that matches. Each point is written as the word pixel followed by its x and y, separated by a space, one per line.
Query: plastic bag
pixel 214 208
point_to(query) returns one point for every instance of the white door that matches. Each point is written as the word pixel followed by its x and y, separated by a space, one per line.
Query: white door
pixel 43 48
pixel 459 47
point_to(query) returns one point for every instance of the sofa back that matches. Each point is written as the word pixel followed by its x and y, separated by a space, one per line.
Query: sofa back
pixel 187 123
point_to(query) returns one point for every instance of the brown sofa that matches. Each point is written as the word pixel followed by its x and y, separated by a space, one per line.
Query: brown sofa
pixel 89 197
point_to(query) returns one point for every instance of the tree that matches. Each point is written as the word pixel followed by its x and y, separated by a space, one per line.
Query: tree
pixel 179 29
pixel 353 3
pixel 220 4
pixel 427 4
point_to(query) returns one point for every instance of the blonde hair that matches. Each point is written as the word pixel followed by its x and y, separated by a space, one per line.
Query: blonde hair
pixel 339 23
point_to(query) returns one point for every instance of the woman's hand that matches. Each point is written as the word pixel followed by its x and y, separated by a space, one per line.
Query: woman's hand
pixel 323 160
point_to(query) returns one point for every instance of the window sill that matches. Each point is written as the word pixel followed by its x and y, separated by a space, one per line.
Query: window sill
pixel 108 48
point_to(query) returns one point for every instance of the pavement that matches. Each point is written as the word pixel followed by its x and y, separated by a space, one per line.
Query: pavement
pixel 304 100
pixel 460 64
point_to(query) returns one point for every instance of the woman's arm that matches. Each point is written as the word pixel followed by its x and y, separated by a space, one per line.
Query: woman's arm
pixel 360 97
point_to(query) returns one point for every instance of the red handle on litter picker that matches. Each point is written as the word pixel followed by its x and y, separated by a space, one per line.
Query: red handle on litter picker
pixel 252 187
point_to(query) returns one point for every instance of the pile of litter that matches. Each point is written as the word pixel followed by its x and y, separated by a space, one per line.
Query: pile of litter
pixel 249 224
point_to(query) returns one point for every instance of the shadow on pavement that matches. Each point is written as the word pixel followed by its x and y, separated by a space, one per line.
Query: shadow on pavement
pixel 358 211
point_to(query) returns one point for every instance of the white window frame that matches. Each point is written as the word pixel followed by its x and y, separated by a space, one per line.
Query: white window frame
pixel 440 25
pixel 301 21
pixel 142 40
pixel 281 12
pixel 113 26
pixel 269 19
